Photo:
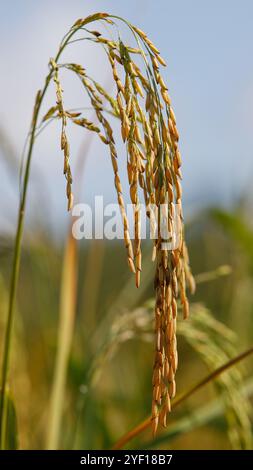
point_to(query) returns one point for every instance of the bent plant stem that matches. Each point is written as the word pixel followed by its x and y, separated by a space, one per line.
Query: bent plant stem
pixel 15 268
pixel 17 248
pixel 209 378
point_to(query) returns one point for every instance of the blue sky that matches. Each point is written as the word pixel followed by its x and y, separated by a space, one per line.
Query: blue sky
pixel 208 49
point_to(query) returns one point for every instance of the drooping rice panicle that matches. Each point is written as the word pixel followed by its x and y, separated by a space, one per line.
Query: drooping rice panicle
pixel 150 134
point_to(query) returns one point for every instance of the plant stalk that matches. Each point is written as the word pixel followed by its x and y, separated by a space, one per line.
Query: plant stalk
pixel 17 248
pixel 15 272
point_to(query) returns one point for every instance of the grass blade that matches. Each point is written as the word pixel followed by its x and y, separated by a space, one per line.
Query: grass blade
pixel 197 418
pixel 66 328
pixel 209 378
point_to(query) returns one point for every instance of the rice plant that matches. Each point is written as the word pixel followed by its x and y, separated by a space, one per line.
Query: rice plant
pixel 142 105
pixel 153 164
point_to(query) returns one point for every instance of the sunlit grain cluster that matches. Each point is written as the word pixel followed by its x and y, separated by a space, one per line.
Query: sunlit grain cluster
pixel 149 131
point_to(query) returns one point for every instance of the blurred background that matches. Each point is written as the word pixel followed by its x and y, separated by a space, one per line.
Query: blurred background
pixel 107 325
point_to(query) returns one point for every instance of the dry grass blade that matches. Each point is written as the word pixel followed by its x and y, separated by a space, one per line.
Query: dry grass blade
pixel 65 334
pixel 209 378
pixel 200 416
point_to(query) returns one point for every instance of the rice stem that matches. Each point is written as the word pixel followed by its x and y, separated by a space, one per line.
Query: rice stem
pixel 17 248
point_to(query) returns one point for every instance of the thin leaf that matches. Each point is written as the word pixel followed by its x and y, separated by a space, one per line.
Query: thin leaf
pixel 209 378
pixel 197 418
pixel 65 335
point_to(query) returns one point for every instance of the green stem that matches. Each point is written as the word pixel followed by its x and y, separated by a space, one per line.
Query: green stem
pixel 17 248
pixel 15 271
